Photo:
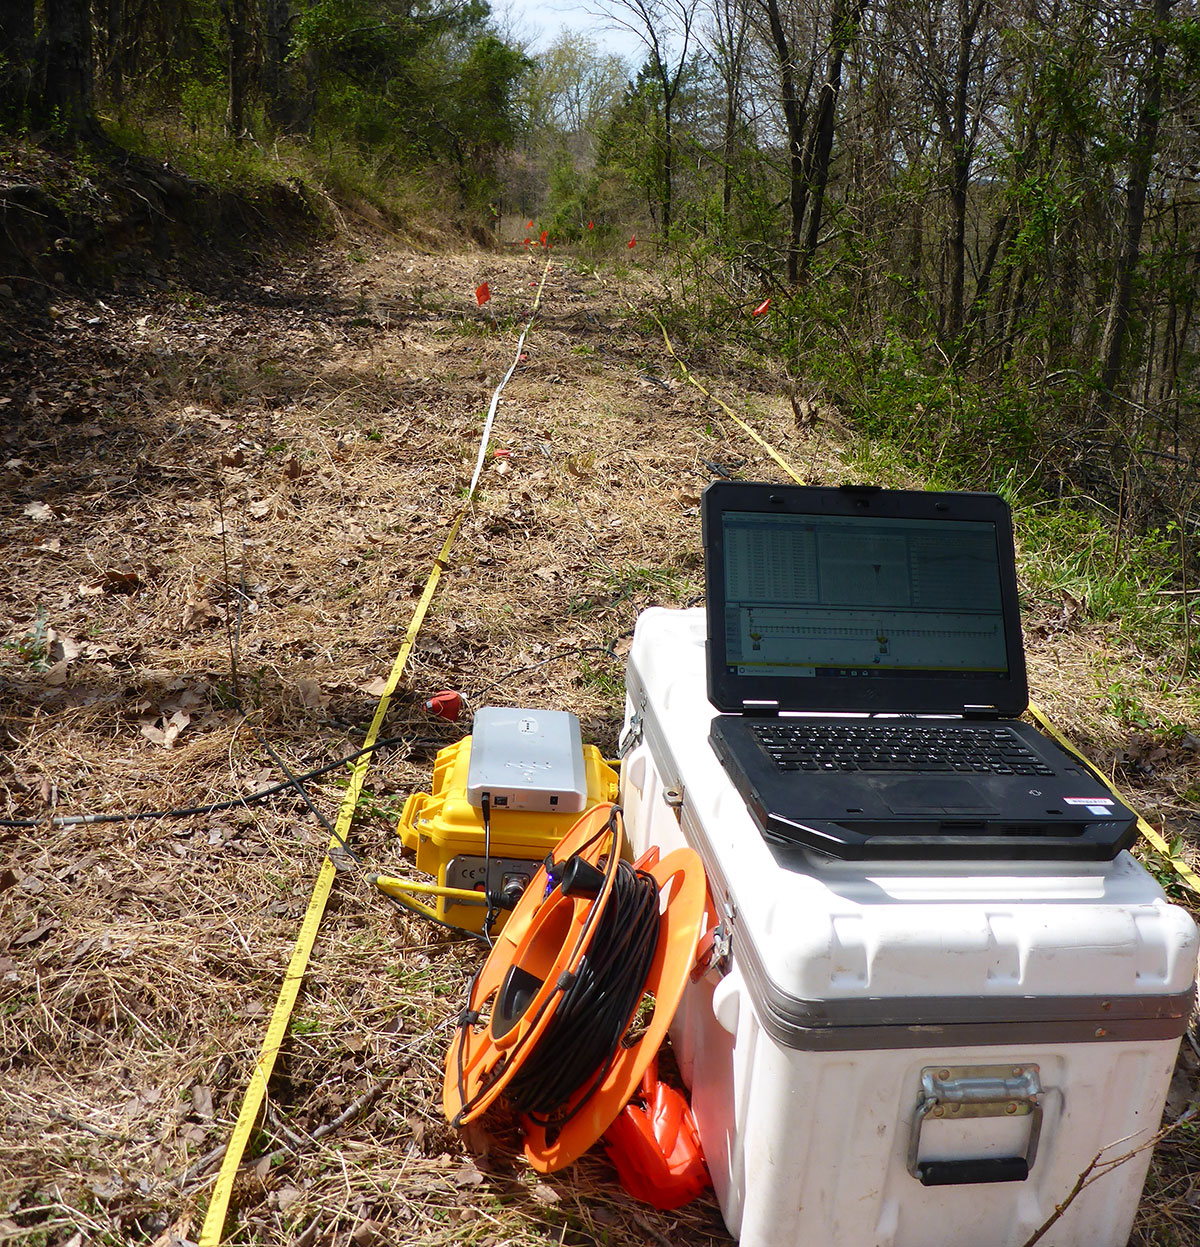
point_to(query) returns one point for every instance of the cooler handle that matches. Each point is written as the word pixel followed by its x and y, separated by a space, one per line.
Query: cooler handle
pixel 959 1092
pixel 967 1172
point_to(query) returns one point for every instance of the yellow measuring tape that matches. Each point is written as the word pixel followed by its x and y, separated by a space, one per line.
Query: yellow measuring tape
pixel 1184 872
pixel 214 1220
pixel 779 459
pixel 1181 868
pixel 218 1206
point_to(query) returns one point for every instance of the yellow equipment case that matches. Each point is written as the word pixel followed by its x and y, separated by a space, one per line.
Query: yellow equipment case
pixel 446 831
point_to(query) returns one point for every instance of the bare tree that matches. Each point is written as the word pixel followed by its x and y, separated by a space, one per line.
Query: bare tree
pixel 730 31
pixel 1141 162
pixel 844 19
pixel 575 89
pixel 236 16
pixel 809 134
pixel 665 28
pixel 949 50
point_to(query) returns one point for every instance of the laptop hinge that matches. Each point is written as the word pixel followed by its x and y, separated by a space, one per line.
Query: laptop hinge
pixel 760 707
pixel 980 712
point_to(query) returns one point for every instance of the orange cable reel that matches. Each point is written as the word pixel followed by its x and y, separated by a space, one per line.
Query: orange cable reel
pixel 543 946
pixel 542 943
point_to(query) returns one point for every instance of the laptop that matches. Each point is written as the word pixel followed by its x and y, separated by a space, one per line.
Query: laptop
pixel 865 647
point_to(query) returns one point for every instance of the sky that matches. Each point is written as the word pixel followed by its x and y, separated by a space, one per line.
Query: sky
pixel 540 21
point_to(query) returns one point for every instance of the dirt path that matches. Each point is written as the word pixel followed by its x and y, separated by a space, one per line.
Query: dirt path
pixel 258 478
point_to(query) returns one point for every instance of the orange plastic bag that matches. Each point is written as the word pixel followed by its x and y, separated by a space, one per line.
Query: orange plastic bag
pixel 655 1146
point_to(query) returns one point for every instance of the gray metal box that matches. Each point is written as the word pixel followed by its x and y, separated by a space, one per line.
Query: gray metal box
pixel 527 760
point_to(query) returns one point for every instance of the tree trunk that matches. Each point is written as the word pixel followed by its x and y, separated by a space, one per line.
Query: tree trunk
pixel 68 102
pixel 668 170
pixel 1116 327
pixel 114 44
pixel 731 28
pixel 17 59
pixel 278 87
pixel 236 15
pixel 794 118
pixel 844 31
pixel 960 164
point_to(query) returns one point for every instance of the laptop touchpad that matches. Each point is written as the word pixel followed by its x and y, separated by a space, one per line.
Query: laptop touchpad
pixel 920 796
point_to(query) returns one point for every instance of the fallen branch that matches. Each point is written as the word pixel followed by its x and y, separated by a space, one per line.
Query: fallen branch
pixel 196 1171
pixel 1096 1170
pixel 1059 1209
pixel 351 1111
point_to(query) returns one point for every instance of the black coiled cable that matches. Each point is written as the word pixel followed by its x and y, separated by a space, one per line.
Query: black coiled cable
pixel 582 1039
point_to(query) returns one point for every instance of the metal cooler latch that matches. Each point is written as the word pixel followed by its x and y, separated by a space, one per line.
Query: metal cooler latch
pixel 958 1092
pixel 713 952
pixel 632 735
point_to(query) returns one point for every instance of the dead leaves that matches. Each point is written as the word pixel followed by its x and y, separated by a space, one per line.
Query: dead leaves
pixel 42 512
pixel 122 580
pixel 285 1197
pixel 202 1102
pixel 199 613
pixel 1072 612
pixel 51 652
pixel 33 936
pixel 185 707
pixel 1147 754
pixel 467 1175
pixel 164 730
pixel 311 695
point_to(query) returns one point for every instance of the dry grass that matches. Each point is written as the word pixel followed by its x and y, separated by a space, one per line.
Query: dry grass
pixel 265 473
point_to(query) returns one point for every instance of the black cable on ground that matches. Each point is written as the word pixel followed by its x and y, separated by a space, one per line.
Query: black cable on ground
pixel 608 651
pixel 583 1037
pixel 77 820
pixel 235 649
pixel 294 781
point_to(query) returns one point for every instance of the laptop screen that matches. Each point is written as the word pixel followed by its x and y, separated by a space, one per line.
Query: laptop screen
pixel 875 600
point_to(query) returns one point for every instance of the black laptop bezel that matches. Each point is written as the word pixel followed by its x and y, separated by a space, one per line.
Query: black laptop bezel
pixel 1002 697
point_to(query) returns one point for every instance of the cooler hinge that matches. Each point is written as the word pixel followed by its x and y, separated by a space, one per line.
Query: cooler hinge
pixel 713 952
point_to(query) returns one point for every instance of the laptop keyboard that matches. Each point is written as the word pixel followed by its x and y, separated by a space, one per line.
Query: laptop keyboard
pixel 897 747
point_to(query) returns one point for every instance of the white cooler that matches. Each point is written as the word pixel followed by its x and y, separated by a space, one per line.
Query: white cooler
pixel 904 1054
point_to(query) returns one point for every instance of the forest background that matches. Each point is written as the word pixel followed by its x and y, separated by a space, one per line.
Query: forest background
pixel 977 220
